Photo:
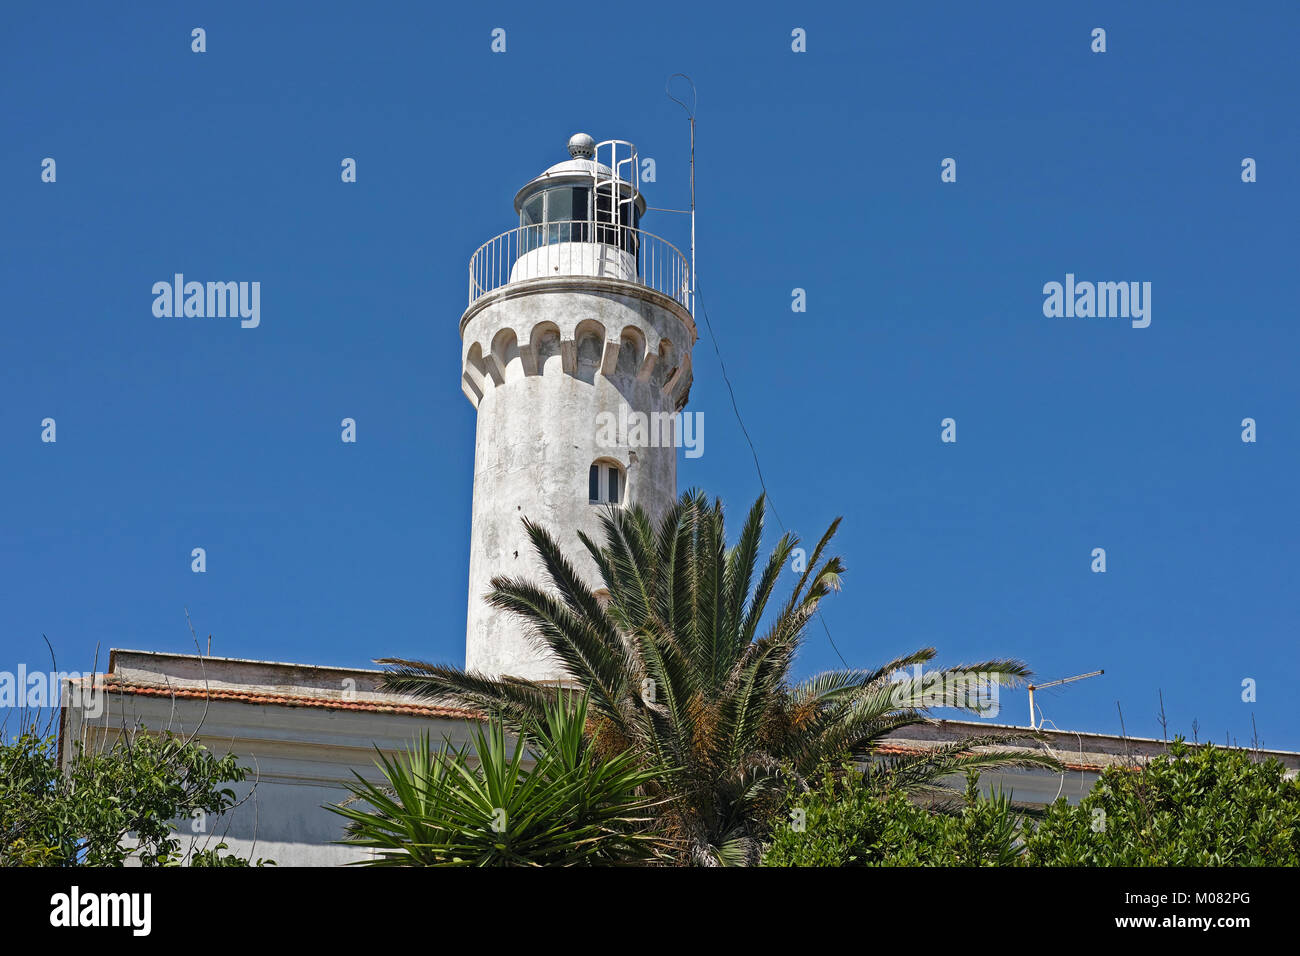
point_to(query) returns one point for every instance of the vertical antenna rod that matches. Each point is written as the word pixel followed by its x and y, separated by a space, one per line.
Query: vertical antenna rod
pixel 690 113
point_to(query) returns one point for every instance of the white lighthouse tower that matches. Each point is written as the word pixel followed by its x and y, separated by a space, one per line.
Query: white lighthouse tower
pixel 578 320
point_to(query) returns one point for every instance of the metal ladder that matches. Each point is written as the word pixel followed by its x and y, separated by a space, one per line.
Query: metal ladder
pixel 613 148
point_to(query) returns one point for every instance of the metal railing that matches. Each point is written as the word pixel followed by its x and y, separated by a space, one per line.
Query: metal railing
pixel 582 248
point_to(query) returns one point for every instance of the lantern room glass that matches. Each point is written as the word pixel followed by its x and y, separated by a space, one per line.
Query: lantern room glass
pixel 564 214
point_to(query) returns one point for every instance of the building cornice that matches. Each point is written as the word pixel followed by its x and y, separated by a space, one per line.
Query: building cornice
pixel 590 285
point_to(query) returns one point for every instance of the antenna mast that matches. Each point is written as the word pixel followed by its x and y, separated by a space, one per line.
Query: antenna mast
pixel 1053 683
pixel 690 113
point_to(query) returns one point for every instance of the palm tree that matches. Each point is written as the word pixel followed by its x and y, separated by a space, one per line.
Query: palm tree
pixel 683 671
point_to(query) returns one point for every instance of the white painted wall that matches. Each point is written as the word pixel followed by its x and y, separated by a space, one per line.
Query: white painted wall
pixel 542 361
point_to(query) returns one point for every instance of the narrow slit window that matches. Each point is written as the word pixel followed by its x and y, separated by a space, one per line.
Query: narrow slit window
pixel 605 484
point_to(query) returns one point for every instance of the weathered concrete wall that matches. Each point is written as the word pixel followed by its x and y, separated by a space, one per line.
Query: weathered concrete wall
pixel 300 758
pixel 543 360
pixel 220 673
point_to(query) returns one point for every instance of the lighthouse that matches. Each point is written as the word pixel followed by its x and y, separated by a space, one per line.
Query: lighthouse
pixel 577 319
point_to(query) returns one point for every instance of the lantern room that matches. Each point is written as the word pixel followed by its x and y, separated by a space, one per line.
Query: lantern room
pixel 581 217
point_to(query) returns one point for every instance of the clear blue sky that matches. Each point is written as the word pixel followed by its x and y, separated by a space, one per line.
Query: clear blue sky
pixel 817 170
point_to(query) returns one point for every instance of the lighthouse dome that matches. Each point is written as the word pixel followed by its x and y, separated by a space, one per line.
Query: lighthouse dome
pixel 575 176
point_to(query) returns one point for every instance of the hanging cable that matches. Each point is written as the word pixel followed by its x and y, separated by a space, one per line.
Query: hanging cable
pixel 695 289
pixel 735 407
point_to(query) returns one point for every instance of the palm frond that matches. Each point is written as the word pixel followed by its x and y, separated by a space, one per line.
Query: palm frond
pixel 514 698
pixel 923 771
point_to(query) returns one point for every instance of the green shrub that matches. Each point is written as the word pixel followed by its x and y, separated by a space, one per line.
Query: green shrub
pixel 843 823
pixel 111 806
pixel 1194 806
pixel 1203 806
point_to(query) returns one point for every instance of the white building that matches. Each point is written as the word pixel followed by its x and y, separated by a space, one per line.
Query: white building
pixel 302 731
pixel 574 316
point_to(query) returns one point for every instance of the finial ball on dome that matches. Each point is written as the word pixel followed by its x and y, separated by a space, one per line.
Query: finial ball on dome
pixel 582 146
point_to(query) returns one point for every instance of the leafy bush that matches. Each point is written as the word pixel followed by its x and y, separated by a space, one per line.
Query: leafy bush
pixel 1204 806
pixel 112 806
pixel 844 823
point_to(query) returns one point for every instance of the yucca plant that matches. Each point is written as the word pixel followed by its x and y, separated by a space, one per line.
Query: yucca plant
pixel 687 672
pixel 549 800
